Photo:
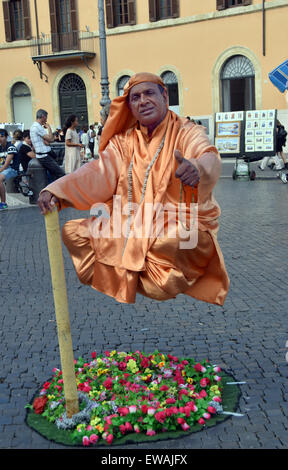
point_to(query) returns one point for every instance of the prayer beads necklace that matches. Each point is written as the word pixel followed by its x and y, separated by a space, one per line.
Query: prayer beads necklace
pixel 130 187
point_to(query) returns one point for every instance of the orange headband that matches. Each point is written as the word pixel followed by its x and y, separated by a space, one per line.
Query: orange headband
pixel 120 117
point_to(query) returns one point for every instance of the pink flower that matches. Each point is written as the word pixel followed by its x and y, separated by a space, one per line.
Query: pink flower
pixel 109 438
pixel 136 428
pixel 180 420
pixel 199 368
pixel 201 421
pixel 151 411
pixel 132 408
pixel 107 353
pixel 216 369
pixel 206 416
pixel 122 365
pixel 187 411
pixel 203 382
pixel 93 438
pixel 150 432
pixel 122 428
pixel 164 388
pixel 217 399
pixel 185 426
pixel 89 428
pixel 128 426
pixel 85 441
pixel 217 378
pixel 123 411
pixel 211 410
pixel 93 355
pixel 203 394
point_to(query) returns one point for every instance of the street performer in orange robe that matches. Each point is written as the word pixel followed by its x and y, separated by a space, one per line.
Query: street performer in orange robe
pixel 149 157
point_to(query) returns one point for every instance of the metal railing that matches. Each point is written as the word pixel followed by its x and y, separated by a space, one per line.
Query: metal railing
pixel 55 43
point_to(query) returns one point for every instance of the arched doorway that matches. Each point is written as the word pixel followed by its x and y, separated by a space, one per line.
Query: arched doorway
pixel 121 83
pixel 72 99
pixel 22 104
pixel 171 83
pixel 238 84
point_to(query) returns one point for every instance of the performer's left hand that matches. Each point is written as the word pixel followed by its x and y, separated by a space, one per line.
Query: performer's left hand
pixel 187 171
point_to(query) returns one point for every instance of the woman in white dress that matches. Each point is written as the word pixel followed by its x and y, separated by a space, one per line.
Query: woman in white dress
pixel 72 145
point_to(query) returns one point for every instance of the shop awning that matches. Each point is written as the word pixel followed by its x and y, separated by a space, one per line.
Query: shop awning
pixel 279 77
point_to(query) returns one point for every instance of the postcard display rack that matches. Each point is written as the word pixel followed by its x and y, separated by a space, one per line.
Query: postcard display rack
pixel 250 133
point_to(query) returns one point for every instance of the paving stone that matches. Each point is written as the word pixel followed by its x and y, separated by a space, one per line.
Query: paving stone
pixel 246 335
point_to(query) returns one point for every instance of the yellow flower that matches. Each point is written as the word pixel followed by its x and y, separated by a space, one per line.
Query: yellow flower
pixel 122 354
pixel 143 377
pixel 147 370
pixel 160 365
pixel 51 397
pixel 190 380
pixel 95 421
pixel 113 353
pixel 183 373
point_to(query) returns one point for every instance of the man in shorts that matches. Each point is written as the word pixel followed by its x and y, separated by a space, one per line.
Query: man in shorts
pixel 9 165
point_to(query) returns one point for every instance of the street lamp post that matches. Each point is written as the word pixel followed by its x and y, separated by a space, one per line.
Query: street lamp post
pixel 103 56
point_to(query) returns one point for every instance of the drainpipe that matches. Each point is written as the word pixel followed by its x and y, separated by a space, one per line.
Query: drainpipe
pixel 264 27
pixel 38 37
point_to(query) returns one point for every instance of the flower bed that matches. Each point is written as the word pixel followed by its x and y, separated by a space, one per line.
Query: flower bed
pixel 131 394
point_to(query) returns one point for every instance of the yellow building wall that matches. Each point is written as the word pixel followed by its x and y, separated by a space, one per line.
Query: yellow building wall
pixel 192 46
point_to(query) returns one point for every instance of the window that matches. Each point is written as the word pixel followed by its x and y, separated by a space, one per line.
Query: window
pixel 64 25
pixel 171 83
pixel 163 9
pixel 238 84
pixel 22 104
pixel 120 13
pixel 121 83
pixel 17 20
pixel 223 4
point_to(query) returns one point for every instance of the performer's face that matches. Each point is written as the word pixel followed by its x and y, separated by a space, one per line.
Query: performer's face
pixel 148 104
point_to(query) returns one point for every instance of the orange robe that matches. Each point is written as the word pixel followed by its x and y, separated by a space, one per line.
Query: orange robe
pixel 153 266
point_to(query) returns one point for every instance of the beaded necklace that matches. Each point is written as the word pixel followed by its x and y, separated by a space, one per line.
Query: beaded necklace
pixel 130 187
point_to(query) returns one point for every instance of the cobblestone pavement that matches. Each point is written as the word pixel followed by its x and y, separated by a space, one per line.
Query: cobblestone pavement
pixel 247 336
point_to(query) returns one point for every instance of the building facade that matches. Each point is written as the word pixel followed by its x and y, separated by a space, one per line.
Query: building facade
pixel 213 55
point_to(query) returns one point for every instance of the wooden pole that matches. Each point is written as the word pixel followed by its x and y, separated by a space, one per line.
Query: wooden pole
pixel 62 312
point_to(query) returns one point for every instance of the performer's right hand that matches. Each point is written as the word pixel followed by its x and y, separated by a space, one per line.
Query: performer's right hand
pixel 46 202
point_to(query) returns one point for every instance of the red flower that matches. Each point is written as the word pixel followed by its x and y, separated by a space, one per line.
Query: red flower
pixel 160 416
pixel 122 366
pixel 144 409
pixel 46 385
pixel 201 421
pixel 108 383
pixel 109 438
pixel 107 353
pixel 164 388
pixel 39 404
pixel 145 363
pixel 93 355
pixel 211 409
pixel 170 401
pixel 203 394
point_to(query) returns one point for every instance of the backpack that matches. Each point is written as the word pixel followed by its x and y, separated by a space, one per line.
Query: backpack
pixel 282 134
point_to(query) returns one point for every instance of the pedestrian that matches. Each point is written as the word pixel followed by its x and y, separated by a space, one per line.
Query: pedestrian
pixel 72 144
pixel 41 137
pixel 91 135
pixel 147 154
pixel 9 165
pixel 281 135
pixel 17 139
pixel 26 152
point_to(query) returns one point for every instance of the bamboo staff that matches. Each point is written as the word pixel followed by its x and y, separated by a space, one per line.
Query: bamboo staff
pixel 62 312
